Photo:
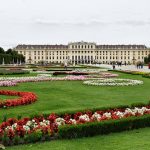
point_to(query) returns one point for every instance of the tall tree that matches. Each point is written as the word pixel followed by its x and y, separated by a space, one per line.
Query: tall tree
pixel 2 50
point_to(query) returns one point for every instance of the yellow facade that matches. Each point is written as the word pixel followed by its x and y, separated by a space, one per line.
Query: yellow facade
pixel 83 52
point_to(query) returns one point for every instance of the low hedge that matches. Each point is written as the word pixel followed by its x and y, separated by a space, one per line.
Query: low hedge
pixel 70 73
pixel 13 72
pixel 58 70
pixel 105 127
pixel 146 75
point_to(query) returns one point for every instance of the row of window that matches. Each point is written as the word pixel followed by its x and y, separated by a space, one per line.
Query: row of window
pixel 97 52
pixel 35 57
pixel 118 57
pixel 82 46
pixel 129 52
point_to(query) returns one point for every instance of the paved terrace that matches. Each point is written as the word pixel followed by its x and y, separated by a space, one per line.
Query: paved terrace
pixel 123 67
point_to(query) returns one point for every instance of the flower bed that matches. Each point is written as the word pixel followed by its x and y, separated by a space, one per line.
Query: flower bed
pixel 69 73
pixel 113 82
pixel 7 81
pixel 25 98
pixel 79 124
pixel 103 75
pixel 95 71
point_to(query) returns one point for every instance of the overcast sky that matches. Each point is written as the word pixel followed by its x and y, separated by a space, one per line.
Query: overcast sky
pixel 63 21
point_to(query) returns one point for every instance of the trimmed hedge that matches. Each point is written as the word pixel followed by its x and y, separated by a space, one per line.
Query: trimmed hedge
pixel 13 72
pixel 105 127
pixel 146 75
pixel 70 73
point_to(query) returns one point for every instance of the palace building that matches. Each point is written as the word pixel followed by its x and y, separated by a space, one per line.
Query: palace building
pixel 83 53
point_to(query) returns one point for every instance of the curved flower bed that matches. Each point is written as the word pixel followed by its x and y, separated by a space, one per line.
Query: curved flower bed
pixel 70 73
pixel 43 128
pixel 25 98
pixel 113 82
pixel 12 81
pixel 91 70
pixel 103 75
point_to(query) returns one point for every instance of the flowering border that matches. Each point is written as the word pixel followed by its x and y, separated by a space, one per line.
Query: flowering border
pixel 73 125
pixel 13 81
pixel 25 98
pixel 113 82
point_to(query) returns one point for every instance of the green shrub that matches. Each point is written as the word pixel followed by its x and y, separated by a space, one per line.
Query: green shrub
pixel 33 137
pixel 13 72
pixel 146 75
pixel 105 127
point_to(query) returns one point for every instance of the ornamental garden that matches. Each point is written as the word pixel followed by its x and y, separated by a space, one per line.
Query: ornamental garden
pixel 45 108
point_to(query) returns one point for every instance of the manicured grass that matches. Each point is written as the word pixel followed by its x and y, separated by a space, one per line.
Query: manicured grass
pixel 4 97
pixel 20 75
pixel 129 140
pixel 57 96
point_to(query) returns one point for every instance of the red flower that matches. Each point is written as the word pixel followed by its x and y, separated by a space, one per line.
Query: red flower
pixel 26 98
pixel 77 115
pixel 11 121
pixel 52 117
pixel 10 133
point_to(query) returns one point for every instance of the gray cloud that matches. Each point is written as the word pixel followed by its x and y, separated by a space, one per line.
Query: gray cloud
pixel 72 23
pixel 92 22
pixel 134 23
pixel 49 21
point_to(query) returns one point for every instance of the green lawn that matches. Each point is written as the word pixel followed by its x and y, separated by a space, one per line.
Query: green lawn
pixel 57 96
pixel 129 140
pixel 4 97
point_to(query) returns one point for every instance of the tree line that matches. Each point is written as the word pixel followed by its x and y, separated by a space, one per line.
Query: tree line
pixel 10 57
pixel 147 59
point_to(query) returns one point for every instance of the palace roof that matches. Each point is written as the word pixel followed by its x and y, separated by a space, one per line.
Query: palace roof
pixel 103 47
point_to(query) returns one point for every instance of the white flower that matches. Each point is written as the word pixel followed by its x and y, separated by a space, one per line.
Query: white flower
pixel 119 114
pixel 84 117
pixel 113 82
pixel 96 116
pixel 60 121
pixel 26 128
pixel 108 115
pixel 73 121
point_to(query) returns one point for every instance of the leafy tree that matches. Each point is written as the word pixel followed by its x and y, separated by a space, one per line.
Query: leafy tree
pixel 11 56
pixel 147 59
pixel 2 50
